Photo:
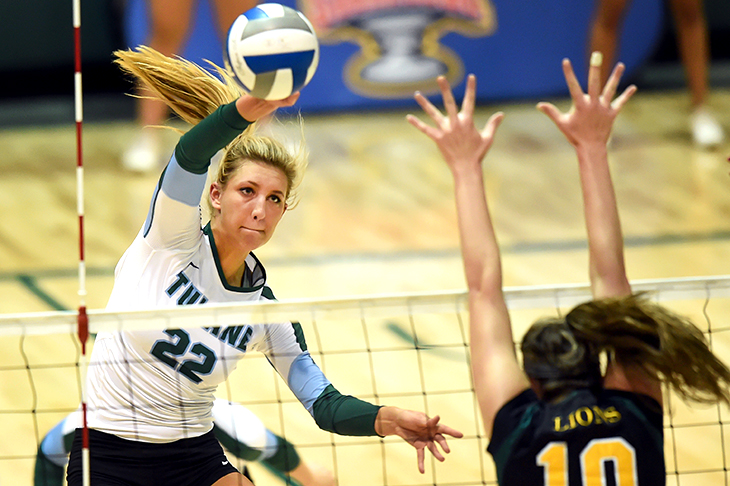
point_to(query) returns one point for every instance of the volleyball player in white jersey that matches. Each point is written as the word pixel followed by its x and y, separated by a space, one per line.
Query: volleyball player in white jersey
pixel 150 393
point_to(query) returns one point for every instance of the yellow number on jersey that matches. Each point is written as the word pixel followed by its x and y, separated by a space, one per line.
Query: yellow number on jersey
pixel 554 458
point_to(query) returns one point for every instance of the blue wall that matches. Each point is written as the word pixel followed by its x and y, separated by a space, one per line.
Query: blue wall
pixel 519 60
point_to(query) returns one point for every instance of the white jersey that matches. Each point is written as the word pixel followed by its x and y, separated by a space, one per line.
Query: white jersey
pixel 158 386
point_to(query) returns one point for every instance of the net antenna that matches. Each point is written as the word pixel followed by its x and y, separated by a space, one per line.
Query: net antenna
pixel 82 318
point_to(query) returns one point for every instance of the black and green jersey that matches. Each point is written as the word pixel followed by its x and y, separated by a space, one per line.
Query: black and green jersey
pixel 612 438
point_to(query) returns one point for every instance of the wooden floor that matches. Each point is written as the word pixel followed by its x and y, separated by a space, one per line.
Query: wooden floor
pixel 376 216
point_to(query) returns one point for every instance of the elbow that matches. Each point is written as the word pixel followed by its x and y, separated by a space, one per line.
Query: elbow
pixel 485 292
pixel 485 283
pixel 613 285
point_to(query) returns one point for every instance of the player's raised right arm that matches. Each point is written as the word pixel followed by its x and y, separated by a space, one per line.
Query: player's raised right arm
pixel 587 126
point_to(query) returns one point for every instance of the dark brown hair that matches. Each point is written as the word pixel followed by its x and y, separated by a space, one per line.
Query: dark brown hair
pixel 633 330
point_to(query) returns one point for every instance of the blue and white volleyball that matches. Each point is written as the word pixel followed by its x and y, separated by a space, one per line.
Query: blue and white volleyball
pixel 272 51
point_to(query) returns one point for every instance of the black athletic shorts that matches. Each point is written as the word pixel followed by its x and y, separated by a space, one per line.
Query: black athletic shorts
pixel 114 461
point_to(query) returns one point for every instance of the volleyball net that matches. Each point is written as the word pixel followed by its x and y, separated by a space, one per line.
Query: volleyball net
pixel 408 350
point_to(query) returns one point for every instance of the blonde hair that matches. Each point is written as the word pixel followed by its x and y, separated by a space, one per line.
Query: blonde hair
pixel 634 330
pixel 193 93
pixel 268 151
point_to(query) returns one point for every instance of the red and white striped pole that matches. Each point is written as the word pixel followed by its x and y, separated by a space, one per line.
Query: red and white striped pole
pixel 83 321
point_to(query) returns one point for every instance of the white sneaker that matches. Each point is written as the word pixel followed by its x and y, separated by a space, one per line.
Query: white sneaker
pixel 706 131
pixel 144 153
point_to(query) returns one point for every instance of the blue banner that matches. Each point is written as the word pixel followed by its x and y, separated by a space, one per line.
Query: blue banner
pixel 376 58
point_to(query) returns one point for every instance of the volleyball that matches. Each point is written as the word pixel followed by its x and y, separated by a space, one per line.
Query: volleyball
pixel 272 51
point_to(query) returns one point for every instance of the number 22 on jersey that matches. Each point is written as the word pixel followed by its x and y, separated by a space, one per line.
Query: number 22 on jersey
pixel 554 458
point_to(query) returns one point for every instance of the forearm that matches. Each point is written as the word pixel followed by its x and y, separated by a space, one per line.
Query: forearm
pixel 480 251
pixel 482 262
pixel 605 242
pixel 344 414
pixel 204 140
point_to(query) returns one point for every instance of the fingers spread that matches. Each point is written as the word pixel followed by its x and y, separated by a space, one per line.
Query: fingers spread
pixel 428 107
pixel 445 429
pixel 619 102
pixel 442 442
pixel 550 110
pixel 576 92
pixel 609 91
pixel 467 106
pixel 417 123
pixel 433 422
pixel 594 75
pixel 421 458
pixel 435 451
pixel 492 124
pixel 448 96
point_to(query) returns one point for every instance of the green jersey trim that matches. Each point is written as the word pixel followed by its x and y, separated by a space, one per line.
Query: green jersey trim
pixel 655 434
pixel 209 233
pixel 504 452
pixel 195 148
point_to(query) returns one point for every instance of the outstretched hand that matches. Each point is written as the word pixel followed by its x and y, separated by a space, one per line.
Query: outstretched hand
pixel 417 429
pixel 455 134
pixel 590 118
pixel 252 108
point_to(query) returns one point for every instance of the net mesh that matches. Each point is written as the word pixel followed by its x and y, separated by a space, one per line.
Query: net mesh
pixel 409 350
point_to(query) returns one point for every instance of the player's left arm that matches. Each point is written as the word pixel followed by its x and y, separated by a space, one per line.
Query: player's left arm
pixel 348 415
pixel 344 414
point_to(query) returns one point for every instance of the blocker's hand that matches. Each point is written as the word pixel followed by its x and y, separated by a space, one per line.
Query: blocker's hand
pixel 455 133
pixel 590 118
pixel 417 429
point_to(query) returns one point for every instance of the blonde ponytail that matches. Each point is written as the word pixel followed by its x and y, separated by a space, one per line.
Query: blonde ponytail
pixel 194 93
pixel 189 90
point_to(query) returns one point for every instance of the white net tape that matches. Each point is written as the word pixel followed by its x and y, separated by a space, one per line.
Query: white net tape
pixel 536 297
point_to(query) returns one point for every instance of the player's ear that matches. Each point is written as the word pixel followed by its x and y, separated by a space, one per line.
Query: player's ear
pixel 215 196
